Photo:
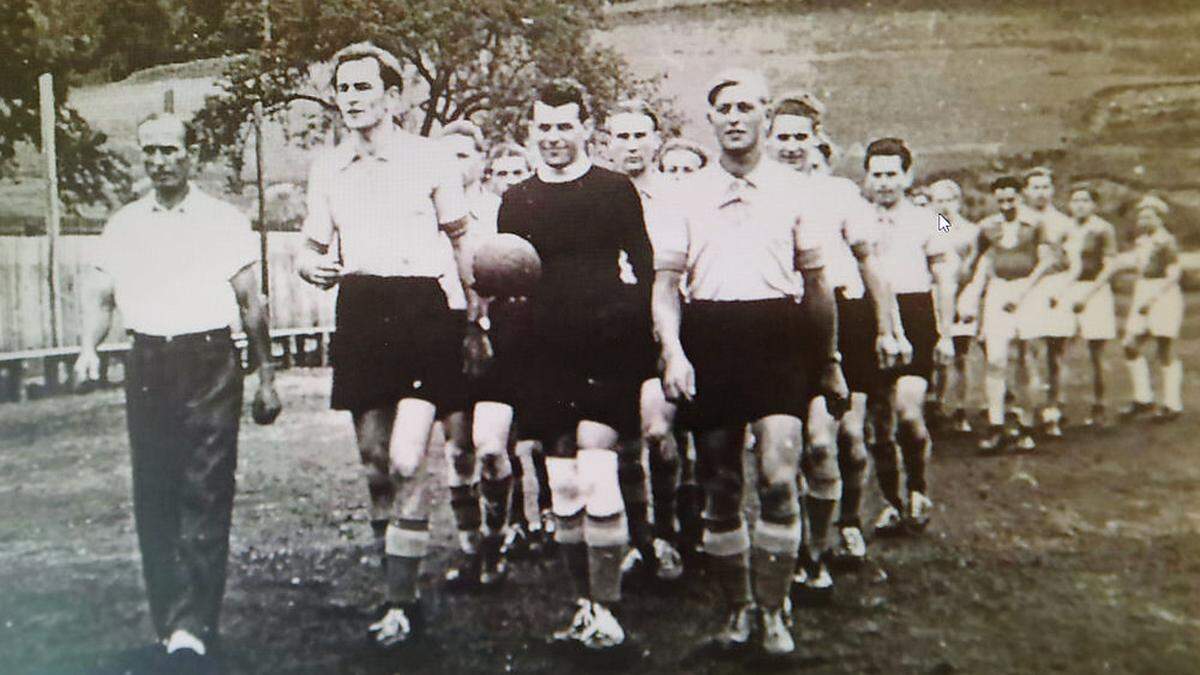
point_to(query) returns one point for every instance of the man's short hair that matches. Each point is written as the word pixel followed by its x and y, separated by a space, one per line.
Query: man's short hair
pixel 633 106
pixel 507 149
pixel 390 70
pixel 189 131
pixel 682 144
pixel 1035 172
pixel 1084 186
pixel 947 183
pixel 888 147
pixel 465 128
pixel 739 77
pixel 800 104
pixel 1006 182
pixel 561 91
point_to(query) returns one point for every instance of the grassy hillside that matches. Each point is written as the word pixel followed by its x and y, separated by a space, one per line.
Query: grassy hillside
pixel 1107 91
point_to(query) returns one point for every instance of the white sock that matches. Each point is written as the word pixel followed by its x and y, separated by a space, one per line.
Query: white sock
pixel 995 386
pixel 1172 375
pixel 181 639
pixel 1139 372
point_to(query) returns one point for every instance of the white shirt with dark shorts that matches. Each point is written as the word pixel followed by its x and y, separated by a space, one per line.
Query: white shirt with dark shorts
pixel 736 242
pixel 386 215
pixel 909 242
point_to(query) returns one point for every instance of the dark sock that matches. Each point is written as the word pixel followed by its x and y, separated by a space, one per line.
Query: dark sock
pixel 495 502
pixel 576 557
pixel 604 573
pixel 732 573
pixel 820 519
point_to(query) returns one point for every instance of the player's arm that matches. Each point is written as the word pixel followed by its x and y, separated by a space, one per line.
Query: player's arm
pixel 313 261
pixel 1046 257
pixel 679 379
pixel 971 296
pixel 1109 267
pixel 820 312
pixel 882 298
pixel 256 321
pixel 635 240
pixel 943 267
pixel 98 303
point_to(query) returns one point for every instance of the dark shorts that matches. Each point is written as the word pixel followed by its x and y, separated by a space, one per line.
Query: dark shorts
pixel 396 338
pixel 857 332
pixel 511 335
pixel 920 327
pixel 749 359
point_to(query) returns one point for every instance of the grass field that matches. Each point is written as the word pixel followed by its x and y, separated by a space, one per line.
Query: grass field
pixel 1081 558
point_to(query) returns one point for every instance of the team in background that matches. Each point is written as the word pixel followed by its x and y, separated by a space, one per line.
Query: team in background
pixel 694 305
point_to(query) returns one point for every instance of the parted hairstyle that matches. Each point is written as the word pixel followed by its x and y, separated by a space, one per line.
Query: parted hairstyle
pixel 888 147
pixel 390 70
pixel 633 106
pixel 561 91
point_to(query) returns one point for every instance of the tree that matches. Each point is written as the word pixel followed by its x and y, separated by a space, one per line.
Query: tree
pixel 466 59
pixel 88 172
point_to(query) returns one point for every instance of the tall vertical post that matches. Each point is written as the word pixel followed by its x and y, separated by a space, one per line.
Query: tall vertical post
pixel 262 194
pixel 53 217
pixel 169 100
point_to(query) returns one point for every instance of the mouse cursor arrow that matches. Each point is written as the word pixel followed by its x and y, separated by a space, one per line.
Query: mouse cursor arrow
pixel 943 224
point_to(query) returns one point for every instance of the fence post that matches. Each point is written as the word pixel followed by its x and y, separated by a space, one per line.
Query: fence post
pixel 262 195
pixel 53 217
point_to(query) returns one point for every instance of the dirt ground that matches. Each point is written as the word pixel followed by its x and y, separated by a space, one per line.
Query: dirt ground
pixel 1081 558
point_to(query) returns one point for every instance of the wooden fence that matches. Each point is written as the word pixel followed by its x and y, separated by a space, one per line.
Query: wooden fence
pixel 25 298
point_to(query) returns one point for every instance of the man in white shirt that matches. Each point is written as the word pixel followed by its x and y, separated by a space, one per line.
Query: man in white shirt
pixel 947 201
pixel 634 138
pixel 758 333
pixel 865 342
pixel 917 259
pixel 180 265
pixel 380 205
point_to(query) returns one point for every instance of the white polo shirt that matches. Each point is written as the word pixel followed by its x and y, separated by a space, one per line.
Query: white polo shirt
pixel 483 209
pixel 835 207
pixel 909 240
pixel 736 239
pixel 171 268
pixel 386 211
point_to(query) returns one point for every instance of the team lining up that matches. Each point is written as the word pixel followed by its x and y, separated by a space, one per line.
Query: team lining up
pixel 692 305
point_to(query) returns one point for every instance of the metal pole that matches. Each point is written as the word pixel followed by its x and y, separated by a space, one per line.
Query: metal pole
pixel 53 217
pixel 262 194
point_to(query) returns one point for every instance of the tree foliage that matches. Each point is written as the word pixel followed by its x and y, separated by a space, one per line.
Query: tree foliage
pixel 465 59
pixel 89 173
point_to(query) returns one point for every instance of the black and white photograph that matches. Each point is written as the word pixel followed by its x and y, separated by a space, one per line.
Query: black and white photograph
pixel 599 336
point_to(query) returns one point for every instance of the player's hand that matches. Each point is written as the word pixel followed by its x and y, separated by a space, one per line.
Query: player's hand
pixel 1144 310
pixel 1010 307
pixel 834 389
pixel 320 271
pixel 477 351
pixel 906 350
pixel 266 406
pixel 87 367
pixel 887 351
pixel 679 377
pixel 1078 307
pixel 944 352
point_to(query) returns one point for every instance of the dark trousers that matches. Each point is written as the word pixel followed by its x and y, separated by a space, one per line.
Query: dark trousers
pixel 183 403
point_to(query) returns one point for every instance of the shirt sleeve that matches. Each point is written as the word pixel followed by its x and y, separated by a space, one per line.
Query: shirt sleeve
pixel 318 223
pixel 809 244
pixel 938 244
pixel 860 226
pixel 103 255
pixel 449 201
pixel 670 240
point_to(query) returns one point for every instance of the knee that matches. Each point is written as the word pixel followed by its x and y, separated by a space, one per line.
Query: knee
pixel 566 492
pixel 778 496
pixel 403 469
pixel 824 477
pixel 1131 351
pixel 461 458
